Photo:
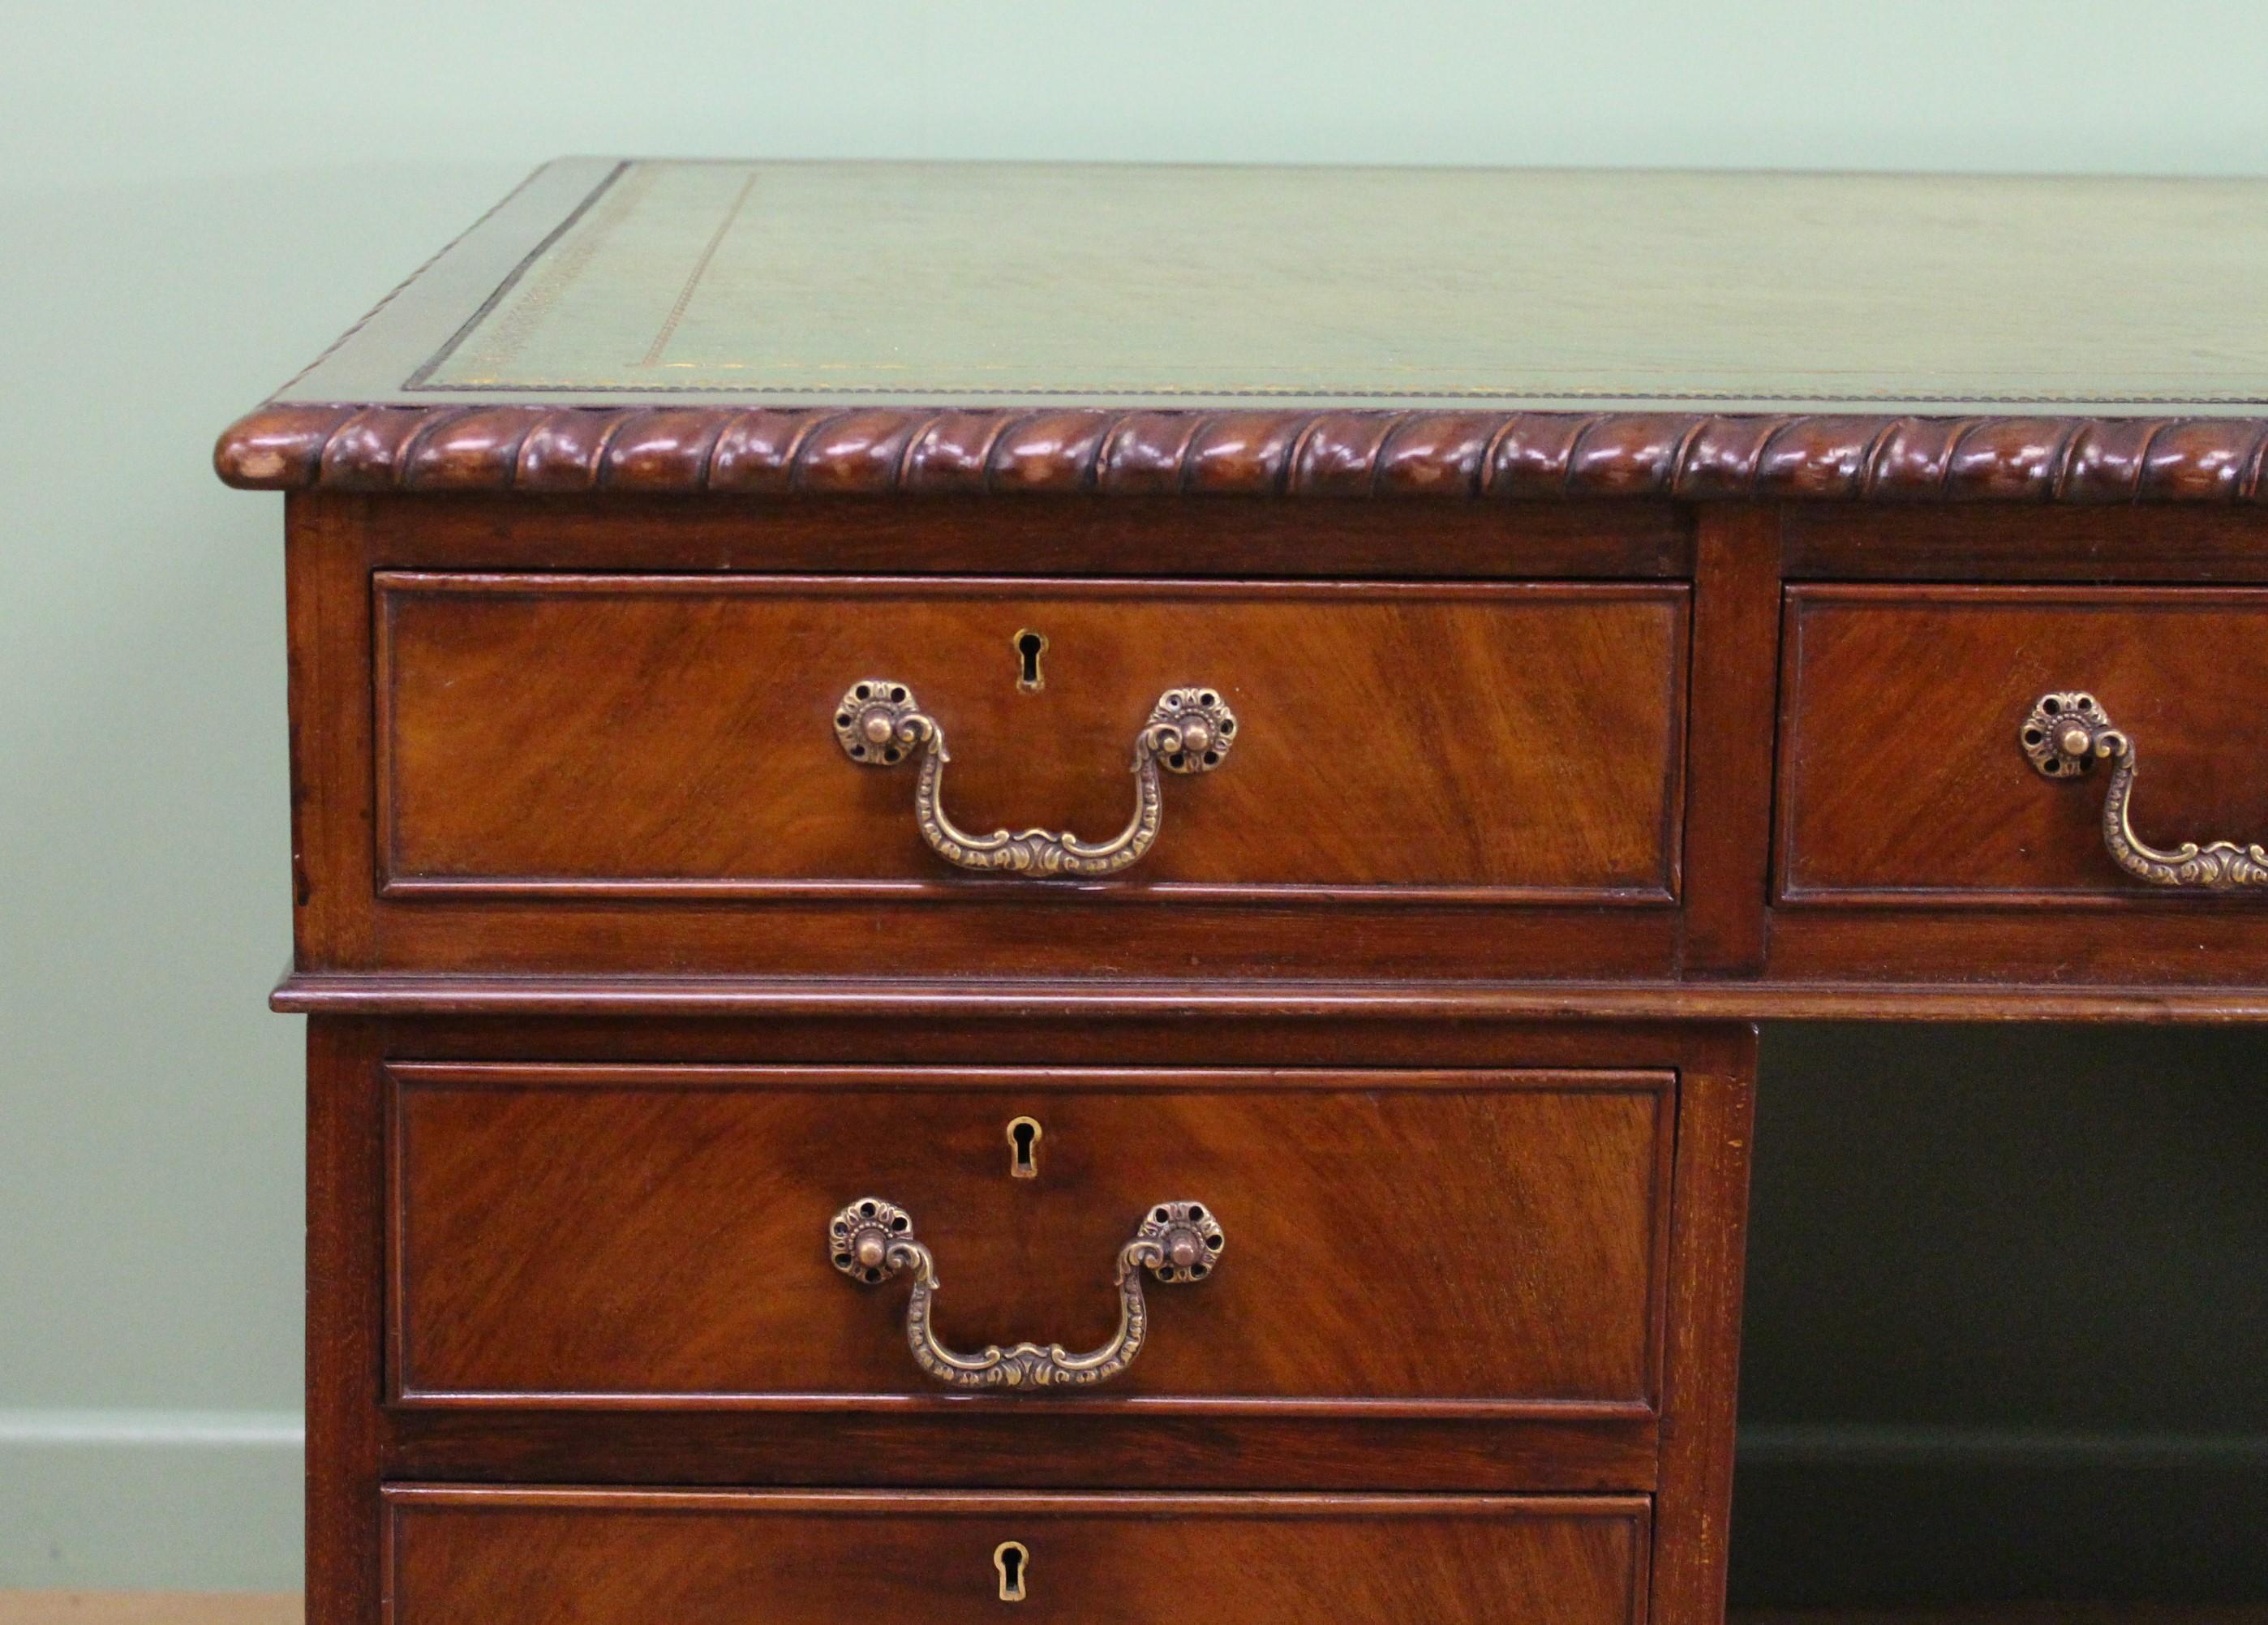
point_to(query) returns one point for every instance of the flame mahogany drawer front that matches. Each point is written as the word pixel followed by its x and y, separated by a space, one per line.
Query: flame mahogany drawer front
pixel 680 739
pixel 1492 1244
pixel 497 1556
pixel 1950 746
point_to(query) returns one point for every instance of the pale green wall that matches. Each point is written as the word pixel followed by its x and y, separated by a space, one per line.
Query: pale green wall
pixel 196 197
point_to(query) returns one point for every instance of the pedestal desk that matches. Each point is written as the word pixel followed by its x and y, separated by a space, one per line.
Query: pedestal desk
pixel 1554 622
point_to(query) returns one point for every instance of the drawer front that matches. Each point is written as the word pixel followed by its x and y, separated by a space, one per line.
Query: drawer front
pixel 676 737
pixel 1905 779
pixel 1392 1242
pixel 590 1557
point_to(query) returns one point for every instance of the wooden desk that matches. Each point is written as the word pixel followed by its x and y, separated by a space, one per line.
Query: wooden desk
pixel 283 1608
pixel 1555 622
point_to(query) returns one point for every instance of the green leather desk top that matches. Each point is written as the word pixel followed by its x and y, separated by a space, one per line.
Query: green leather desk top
pixel 997 285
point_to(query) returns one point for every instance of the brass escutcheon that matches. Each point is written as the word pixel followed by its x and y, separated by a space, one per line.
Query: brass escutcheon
pixel 1030 647
pixel 1014 1564
pixel 1024 1148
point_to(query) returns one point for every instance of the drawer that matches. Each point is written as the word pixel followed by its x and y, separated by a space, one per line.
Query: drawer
pixel 1360 1244
pixel 510 1556
pixel 691 738
pixel 1911 720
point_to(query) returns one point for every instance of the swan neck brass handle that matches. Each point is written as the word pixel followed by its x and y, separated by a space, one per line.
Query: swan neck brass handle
pixel 2066 735
pixel 872 1240
pixel 880 724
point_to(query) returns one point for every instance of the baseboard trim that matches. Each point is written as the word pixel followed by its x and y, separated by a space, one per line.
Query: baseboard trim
pixel 230 1608
pixel 158 1428
pixel 187 1500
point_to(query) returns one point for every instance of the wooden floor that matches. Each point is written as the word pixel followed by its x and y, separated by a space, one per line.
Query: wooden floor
pixel 173 1608
pixel 146 1609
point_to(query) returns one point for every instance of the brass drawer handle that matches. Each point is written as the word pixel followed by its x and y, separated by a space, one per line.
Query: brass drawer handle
pixel 880 724
pixel 872 1240
pixel 2066 735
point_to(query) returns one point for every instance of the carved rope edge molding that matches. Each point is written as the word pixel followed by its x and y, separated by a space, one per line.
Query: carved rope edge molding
pixel 1509 457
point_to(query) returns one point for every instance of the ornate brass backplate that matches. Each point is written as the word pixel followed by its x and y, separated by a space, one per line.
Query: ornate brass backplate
pixel 872 1240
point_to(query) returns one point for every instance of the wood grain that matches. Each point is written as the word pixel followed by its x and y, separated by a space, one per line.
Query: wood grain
pixel 350 538
pixel 326 596
pixel 1070 1449
pixel 1138 1444
pixel 671 736
pixel 1074 534
pixel 2045 963
pixel 1924 993
pixel 1716 1134
pixel 1075 1034
pixel 1399 1243
pixel 1901 781
pixel 346 1306
pixel 1734 689
pixel 2195 544
pixel 472 1556
pixel 1071 936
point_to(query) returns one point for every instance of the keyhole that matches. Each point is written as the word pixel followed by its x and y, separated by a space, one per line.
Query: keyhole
pixel 1024 1149
pixel 1013 1562
pixel 1030 647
